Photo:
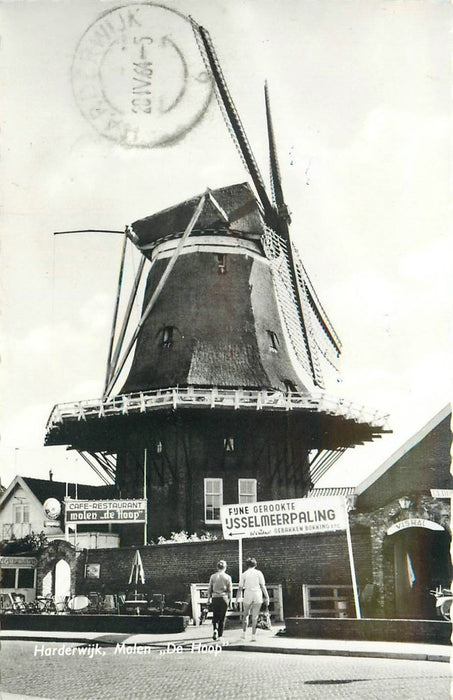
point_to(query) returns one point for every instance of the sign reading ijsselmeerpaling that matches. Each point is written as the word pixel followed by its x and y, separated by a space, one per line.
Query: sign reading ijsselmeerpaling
pixel 110 511
pixel 297 516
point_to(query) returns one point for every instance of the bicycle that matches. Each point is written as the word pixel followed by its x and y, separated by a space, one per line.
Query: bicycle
pixel 444 600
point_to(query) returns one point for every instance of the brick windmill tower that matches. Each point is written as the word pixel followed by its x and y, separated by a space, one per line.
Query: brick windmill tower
pixel 217 395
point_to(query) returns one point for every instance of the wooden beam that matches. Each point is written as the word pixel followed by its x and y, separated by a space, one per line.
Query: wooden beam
pixel 115 313
pixel 171 263
pixel 126 319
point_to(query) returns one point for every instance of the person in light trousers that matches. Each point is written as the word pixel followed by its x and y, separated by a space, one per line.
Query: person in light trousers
pixel 252 587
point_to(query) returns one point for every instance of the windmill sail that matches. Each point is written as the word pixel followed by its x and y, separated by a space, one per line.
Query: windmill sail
pixel 309 330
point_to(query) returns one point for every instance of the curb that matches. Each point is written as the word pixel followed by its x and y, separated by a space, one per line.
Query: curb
pixel 411 656
pixel 263 649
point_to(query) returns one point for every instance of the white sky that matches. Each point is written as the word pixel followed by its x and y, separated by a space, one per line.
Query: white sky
pixel 361 96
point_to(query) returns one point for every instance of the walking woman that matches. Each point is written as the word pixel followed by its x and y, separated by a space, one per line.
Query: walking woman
pixel 253 586
pixel 220 594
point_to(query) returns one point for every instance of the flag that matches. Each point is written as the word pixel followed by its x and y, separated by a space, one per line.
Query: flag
pixel 410 570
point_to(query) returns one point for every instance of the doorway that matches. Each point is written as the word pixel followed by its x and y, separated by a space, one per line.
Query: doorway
pixel 57 581
pixel 62 580
pixel 421 561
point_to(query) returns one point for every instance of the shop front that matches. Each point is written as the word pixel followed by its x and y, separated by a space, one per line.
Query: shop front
pixel 17 577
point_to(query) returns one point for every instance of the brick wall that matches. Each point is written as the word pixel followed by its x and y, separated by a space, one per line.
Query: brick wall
pixel 291 561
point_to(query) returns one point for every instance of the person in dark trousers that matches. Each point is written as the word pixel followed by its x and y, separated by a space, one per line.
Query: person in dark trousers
pixel 220 594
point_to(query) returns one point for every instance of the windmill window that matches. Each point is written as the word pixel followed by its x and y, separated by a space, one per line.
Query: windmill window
pixel 221 263
pixel 290 387
pixel 159 447
pixel 246 490
pixel 228 444
pixel 213 499
pixel 273 341
pixel 167 337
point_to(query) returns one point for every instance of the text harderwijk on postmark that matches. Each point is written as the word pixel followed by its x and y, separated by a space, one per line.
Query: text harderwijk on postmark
pixel 138 76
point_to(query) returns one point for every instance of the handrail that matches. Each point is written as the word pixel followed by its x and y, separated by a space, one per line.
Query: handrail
pixel 213 398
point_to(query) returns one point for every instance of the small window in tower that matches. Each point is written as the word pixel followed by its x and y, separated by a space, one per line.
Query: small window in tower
pixel 167 337
pixel 159 447
pixel 213 499
pixel 221 262
pixel 273 341
pixel 291 388
pixel 247 490
pixel 228 444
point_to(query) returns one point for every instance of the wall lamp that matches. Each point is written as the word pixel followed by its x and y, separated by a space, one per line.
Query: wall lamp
pixel 405 503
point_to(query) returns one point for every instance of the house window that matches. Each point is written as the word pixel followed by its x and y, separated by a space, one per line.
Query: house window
pixel 213 499
pixel 8 578
pixel 221 262
pixel 25 578
pixel 247 490
pixel 228 444
pixel 167 337
pixel 273 341
pixel 21 513
pixel 18 578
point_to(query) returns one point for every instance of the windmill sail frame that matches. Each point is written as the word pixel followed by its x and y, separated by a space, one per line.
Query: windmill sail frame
pixel 305 319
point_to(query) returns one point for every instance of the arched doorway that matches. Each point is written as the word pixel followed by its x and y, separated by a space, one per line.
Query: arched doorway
pixel 421 561
pixel 57 581
pixel 62 580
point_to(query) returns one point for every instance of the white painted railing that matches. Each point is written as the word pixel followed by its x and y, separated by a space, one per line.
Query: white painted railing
pixel 192 397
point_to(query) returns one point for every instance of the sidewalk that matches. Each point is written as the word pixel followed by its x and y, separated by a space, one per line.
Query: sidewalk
pixel 268 641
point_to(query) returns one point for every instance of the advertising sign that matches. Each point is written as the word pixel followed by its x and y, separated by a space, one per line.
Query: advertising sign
pixel 442 493
pixel 18 562
pixel 92 570
pixel 52 508
pixel 297 516
pixel 110 511
pixel 413 522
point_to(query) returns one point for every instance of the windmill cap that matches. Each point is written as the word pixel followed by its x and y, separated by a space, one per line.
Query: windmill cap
pixel 237 202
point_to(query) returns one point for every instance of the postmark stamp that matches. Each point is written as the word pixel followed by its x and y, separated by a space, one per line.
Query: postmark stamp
pixel 138 76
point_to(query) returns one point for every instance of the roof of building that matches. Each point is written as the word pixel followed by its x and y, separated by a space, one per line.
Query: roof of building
pixel 46 488
pixel 332 491
pixel 405 447
pixel 237 202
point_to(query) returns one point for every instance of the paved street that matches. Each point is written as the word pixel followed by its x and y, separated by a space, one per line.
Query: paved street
pixel 67 670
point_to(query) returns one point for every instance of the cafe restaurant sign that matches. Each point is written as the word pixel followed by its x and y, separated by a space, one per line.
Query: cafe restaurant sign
pixel 413 522
pixel 295 516
pixel 110 511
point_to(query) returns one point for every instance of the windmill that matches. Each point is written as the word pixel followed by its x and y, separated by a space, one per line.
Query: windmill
pixel 217 393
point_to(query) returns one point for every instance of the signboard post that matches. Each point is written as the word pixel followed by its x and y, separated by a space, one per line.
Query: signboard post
pixel 145 476
pixel 358 611
pixel 297 516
